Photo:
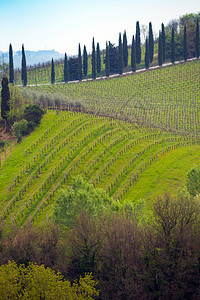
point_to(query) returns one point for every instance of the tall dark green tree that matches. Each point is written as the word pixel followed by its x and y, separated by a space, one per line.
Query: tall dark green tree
pixel 147 56
pixel 172 55
pixel 133 55
pixel 125 49
pixel 24 71
pixel 163 43
pixel 80 73
pixel 160 52
pixel 93 60
pixel 107 61
pixel 120 55
pixel 11 67
pixel 5 97
pixel 151 43
pixel 85 61
pixel 52 72
pixel 197 40
pixel 185 52
pixel 98 59
pixel 66 69
pixel 138 43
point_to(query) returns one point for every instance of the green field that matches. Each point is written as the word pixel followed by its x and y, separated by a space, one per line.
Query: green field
pixel 126 160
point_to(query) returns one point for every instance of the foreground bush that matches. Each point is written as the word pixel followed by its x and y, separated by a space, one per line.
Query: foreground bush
pixel 36 282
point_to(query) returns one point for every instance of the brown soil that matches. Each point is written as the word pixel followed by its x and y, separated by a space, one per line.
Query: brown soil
pixel 5 135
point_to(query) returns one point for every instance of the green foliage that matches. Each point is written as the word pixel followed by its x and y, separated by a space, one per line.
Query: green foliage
pixel 147 54
pixel 185 52
pixel 24 71
pixel 193 180
pixel 125 50
pixel 172 55
pixel 163 43
pixel 107 60
pixel 93 60
pixel 98 59
pixel 20 128
pixel 133 55
pixel 11 67
pixel 52 72
pixel 160 52
pixel 66 69
pixel 80 75
pixel 17 103
pixel 138 43
pixel 81 197
pixel 5 97
pixel 33 113
pixel 120 55
pixel 36 282
pixel 85 61
pixel 197 39
pixel 73 68
pixel 151 43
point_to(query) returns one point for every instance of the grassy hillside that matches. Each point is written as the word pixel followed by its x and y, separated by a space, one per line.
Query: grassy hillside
pixel 126 160
pixel 167 97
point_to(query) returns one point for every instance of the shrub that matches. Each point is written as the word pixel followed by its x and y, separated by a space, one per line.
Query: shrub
pixel 193 180
pixel 33 113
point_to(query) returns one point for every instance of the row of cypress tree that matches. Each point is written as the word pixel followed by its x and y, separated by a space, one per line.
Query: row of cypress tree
pixel 82 66
pixel 161 45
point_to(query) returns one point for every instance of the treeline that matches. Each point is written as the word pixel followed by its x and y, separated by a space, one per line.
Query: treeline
pixel 134 251
pixel 178 40
pixel 131 256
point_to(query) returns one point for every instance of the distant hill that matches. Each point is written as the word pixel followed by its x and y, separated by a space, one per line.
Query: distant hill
pixel 32 57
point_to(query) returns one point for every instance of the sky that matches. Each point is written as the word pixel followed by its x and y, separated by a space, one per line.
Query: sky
pixel 62 24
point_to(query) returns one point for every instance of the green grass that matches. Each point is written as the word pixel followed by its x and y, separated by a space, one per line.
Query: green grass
pixel 120 157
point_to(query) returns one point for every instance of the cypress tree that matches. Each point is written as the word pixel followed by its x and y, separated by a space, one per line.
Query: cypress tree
pixel 52 72
pixel 66 69
pixel 163 43
pixel 107 61
pixel 80 74
pixel 11 68
pixel 172 56
pixel 197 40
pixel 98 59
pixel 138 43
pixel 5 97
pixel 160 52
pixel 120 55
pixel 147 56
pixel 125 50
pixel 133 55
pixel 85 61
pixel 93 60
pixel 151 43
pixel 185 44
pixel 24 72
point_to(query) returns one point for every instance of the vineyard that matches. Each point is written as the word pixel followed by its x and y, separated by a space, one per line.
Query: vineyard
pixel 127 160
pixel 136 137
pixel 167 98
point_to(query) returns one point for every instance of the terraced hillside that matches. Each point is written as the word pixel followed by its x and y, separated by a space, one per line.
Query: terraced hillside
pixel 167 98
pixel 125 159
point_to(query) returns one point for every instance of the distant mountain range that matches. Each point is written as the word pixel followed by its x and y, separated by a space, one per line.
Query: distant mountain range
pixel 32 57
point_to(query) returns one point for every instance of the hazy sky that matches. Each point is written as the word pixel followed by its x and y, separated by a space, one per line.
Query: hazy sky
pixel 62 24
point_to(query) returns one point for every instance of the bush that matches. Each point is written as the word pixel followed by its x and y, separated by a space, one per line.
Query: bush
pixel 193 181
pixel 33 113
pixel 20 128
